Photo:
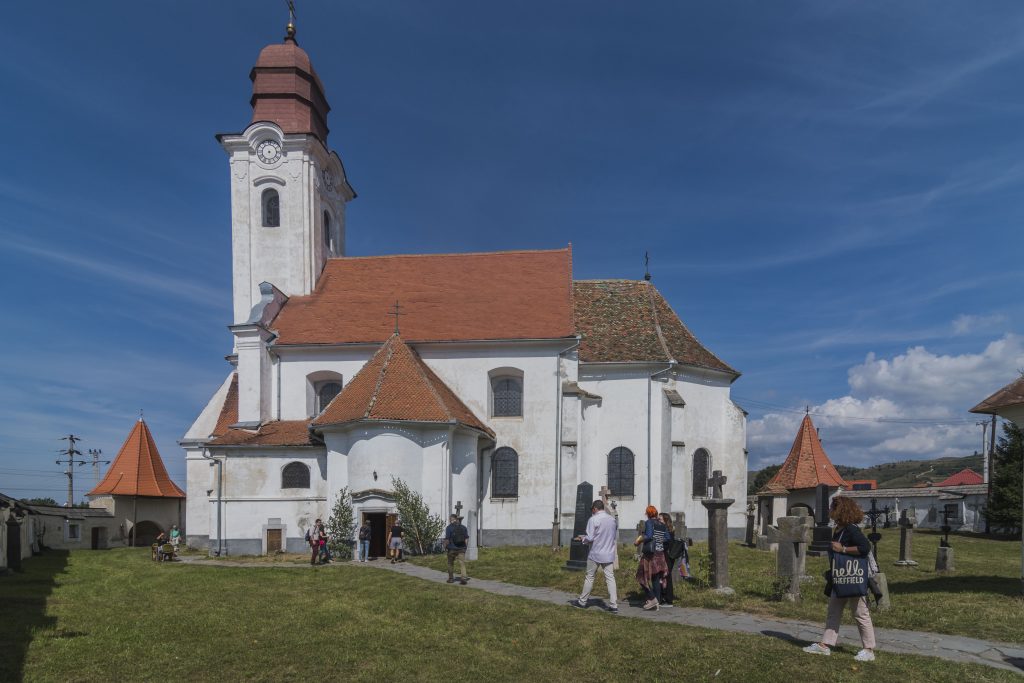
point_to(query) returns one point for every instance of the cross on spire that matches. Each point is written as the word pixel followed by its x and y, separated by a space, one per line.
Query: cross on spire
pixel 396 312
pixel 290 29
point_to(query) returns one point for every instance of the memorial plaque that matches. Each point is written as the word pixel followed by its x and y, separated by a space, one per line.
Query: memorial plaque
pixel 578 551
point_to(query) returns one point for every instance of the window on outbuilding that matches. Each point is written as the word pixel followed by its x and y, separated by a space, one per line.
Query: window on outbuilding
pixel 701 472
pixel 295 475
pixel 508 397
pixel 271 208
pixel 620 471
pixel 505 473
pixel 325 393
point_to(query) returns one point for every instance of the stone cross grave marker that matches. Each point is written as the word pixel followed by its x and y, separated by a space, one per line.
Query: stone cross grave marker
pixel 578 551
pixel 718 534
pixel 793 534
pixel 906 540
pixel 944 557
pixel 748 539
pixel 458 509
pixel 611 509
pixel 765 506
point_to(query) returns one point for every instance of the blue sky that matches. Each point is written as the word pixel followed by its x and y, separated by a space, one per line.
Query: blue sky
pixel 830 193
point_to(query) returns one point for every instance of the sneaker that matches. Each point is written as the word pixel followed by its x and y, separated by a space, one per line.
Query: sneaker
pixel 613 610
pixel 817 649
pixel 651 605
pixel 865 656
pixel 464 582
pixel 577 603
pixel 451 580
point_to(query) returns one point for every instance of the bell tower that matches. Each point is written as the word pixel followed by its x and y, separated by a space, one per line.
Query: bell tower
pixel 288 188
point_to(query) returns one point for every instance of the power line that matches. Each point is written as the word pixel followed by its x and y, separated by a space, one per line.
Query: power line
pixel 887 420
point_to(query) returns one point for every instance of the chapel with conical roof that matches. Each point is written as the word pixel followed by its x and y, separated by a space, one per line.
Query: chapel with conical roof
pixel 493 383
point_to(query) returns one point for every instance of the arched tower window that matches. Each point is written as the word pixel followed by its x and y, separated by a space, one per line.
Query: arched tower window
pixel 508 397
pixel 620 471
pixel 330 243
pixel 295 475
pixel 505 473
pixel 271 208
pixel 701 472
pixel 325 393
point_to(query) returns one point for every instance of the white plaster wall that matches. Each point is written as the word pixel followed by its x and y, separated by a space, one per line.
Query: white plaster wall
pixel 297 365
pixel 200 485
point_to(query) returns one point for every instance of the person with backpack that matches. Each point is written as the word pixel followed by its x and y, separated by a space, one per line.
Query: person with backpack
pixel 651 571
pixel 456 540
pixel 364 541
pixel 848 541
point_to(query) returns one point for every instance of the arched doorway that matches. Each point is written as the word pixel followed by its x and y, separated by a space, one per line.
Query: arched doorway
pixel 146 533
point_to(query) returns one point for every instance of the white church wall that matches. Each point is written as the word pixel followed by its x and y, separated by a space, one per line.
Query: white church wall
pixel 298 364
pixel 200 484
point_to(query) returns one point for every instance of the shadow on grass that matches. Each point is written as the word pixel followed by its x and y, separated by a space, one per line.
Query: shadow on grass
pixel 1001 585
pixel 23 609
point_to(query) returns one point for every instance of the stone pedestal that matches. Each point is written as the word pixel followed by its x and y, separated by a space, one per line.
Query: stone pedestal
pixel 883 585
pixel 579 551
pixel 944 560
pixel 718 543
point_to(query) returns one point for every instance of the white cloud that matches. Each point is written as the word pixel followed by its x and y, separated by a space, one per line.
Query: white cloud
pixel 910 406
pixel 968 324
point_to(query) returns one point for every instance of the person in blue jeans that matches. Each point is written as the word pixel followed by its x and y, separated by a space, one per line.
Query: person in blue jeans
pixel 364 541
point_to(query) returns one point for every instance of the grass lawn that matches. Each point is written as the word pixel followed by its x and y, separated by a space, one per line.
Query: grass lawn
pixel 116 615
pixel 981 600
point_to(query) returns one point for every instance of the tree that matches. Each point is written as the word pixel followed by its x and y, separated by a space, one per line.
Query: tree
pixel 42 501
pixel 422 529
pixel 757 482
pixel 1004 508
pixel 341 525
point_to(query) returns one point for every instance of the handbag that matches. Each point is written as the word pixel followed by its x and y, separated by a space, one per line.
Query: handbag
pixel 674 549
pixel 849 575
pixel 648 547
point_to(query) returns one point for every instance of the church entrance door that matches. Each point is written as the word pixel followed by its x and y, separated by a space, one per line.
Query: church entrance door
pixel 378 522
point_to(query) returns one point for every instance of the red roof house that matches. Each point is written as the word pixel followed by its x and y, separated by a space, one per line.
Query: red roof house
pixel 962 478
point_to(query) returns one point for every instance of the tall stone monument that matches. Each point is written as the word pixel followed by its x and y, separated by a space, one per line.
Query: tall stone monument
pixel 748 539
pixel 906 540
pixel 793 534
pixel 718 534
pixel 821 540
pixel 578 551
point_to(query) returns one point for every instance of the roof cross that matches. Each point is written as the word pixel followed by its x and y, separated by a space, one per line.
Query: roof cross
pixel 396 313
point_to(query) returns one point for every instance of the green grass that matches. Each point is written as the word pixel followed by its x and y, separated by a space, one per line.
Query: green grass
pixel 115 615
pixel 982 599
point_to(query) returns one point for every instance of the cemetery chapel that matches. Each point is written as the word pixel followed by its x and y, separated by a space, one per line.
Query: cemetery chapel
pixel 490 381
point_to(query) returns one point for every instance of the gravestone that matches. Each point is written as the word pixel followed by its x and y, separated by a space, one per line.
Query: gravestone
pixel 793 534
pixel 944 560
pixel 578 551
pixel 718 534
pixel 13 544
pixel 906 540
pixel 762 542
pixel 749 537
pixel 612 509
pixel 821 540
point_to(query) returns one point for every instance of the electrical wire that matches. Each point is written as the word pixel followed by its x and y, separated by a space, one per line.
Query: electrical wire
pixel 887 420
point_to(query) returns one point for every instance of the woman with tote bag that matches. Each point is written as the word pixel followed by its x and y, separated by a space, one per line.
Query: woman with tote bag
pixel 846 581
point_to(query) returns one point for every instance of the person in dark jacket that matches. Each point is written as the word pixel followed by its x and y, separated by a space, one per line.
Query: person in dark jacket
pixel 847 539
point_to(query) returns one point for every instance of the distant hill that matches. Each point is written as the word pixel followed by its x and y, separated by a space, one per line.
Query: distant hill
pixel 901 474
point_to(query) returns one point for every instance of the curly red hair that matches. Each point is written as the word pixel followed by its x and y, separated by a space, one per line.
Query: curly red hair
pixel 844 511
pixel 651 512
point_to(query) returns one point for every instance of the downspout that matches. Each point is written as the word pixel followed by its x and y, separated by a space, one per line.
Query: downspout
pixel 650 378
pixel 558 433
pixel 220 490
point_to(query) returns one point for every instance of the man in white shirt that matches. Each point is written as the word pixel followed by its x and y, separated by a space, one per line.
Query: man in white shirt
pixel 602 536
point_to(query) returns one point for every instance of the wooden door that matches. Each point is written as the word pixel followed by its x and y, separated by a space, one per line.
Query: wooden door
pixel 273 541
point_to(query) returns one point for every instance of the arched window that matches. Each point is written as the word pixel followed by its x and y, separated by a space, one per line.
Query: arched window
pixel 701 472
pixel 330 244
pixel 271 208
pixel 508 397
pixel 505 473
pixel 325 393
pixel 295 475
pixel 620 471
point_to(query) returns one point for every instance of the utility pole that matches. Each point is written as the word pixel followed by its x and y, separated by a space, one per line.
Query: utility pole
pixel 990 462
pixel 96 462
pixel 71 452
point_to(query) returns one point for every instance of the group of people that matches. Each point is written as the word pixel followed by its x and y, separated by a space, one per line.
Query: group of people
pixel 394 548
pixel 317 538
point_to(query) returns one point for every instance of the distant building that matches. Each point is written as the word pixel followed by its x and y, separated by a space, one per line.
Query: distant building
pixel 862 484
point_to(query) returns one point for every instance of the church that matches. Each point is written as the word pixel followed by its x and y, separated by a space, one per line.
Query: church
pixel 493 383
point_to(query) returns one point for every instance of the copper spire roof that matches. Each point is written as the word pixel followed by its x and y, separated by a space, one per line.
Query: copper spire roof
pixel 138 469
pixel 806 465
pixel 1010 395
pixel 397 385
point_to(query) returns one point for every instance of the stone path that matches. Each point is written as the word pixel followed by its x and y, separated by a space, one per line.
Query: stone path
pixel 955 648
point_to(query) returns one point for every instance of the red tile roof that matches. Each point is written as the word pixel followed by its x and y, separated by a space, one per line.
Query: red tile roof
pixel 963 477
pixel 138 469
pixel 806 466
pixel 1010 395
pixel 629 320
pixel 499 295
pixel 275 433
pixel 287 91
pixel 397 385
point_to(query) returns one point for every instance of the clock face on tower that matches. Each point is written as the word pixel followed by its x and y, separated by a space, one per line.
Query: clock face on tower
pixel 268 151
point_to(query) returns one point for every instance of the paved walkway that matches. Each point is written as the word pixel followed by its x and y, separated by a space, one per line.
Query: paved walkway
pixel 954 648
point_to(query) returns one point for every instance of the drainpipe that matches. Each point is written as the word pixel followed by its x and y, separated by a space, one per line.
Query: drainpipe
pixel 220 491
pixel 650 378
pixel 557 542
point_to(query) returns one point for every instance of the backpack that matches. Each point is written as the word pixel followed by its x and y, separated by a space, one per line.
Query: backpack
pixel 459 535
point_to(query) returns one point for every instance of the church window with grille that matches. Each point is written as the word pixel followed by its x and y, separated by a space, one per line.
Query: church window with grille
pixel 271 209
pixel 701 472
pixel 325 393
pixel 620 471
pixel 505 473
pixel 295 475
pixel 508 397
